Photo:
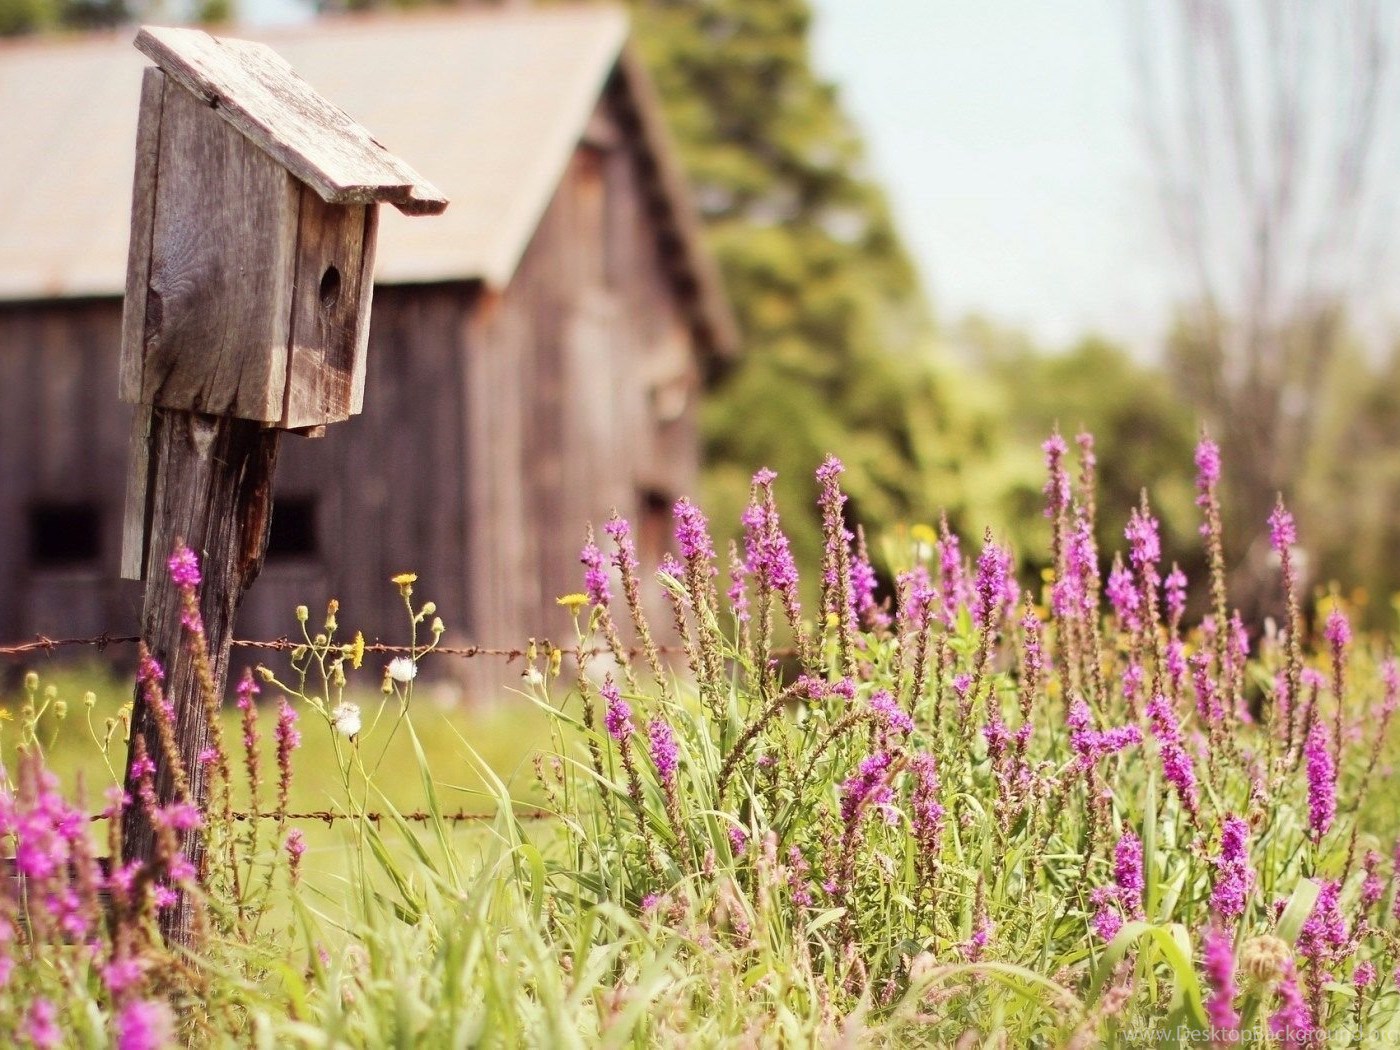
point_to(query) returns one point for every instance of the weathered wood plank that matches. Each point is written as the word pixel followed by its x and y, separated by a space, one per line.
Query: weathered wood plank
pixel 325 311
pixel 219 302
pixel 211 487
pixel 136 507
pixel 257 92
pixel 143 207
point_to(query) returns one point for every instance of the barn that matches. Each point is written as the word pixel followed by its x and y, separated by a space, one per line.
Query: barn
pixel 535 353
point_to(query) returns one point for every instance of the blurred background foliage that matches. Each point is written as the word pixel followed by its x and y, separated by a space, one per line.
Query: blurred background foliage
pixel 844 354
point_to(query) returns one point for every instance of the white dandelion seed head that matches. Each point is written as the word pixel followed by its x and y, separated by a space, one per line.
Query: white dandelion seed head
pixel 402 669
pixel 346 718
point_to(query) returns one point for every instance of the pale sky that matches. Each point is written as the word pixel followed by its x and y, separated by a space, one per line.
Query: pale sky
pixel 1004 136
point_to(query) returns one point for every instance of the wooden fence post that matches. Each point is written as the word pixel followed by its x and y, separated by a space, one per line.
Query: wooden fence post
pixel 249 281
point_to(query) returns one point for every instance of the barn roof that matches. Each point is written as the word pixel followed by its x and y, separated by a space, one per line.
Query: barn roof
pixel 488 104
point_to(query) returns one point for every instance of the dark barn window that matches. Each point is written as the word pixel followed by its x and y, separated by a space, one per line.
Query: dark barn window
pixel 64 535
pixel 293 533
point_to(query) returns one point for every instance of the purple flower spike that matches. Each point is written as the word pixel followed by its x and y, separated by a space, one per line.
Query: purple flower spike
pixel 995 590
pixel 1220 975
pixel 692 532
pixel 1322 782
pixel 1127 871
pixel 595 575
pixel 184 567
pixel 1282 533
pixel 1234 880
pixel 1207 466
pixel 664 753
pixel 1338 629
pixel 1144 545
pixel 618 718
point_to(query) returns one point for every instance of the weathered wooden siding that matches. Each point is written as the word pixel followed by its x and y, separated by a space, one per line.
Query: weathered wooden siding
pixel 387 487
pixel 63 438
pixel 581 382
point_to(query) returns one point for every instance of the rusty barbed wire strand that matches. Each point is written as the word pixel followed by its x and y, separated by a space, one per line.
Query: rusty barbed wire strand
pixel 417 816
pixel 43 643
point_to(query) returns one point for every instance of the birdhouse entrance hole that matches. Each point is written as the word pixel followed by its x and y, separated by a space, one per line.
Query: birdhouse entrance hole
pixel 330 287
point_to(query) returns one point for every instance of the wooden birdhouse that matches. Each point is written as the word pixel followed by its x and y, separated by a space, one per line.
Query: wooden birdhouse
pixel 251 263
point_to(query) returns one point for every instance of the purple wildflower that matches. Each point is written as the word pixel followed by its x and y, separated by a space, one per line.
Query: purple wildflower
pixel 1282 533
pixel 1234 880
pixel 41 1026
pixel 1338 629
pixel 1176 762
pixel 925 811
pixel 595 575
pixel 1144 546
pixel 122 974
pixel 1106 921
pixel 995 589
pixel 866 787
pixel 1175 586
pixel 1127 872
pixel 693 533
pixel 184 567
pixel 767 553
pixel 1220 975
pixel 664 753
pixel 1207 469
pixel 618 717
pixel 1292 1023
pixel 738 839
pixel 1322 782
pixel 144 1025
pixel 1324 933
pixel 888 714
pixel 1364 975
pixel 1092 744
pixel 1123 595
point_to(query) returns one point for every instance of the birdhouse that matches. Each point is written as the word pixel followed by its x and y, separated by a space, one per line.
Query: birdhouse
pixel 252 237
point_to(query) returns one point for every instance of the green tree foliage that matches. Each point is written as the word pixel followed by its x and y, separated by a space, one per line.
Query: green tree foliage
pixel 1129 406
pixel 837 334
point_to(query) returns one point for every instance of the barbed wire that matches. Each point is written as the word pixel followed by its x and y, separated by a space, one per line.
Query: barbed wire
pixel 44 644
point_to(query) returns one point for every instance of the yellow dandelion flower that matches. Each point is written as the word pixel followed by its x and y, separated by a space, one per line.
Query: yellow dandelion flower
pixel 572 601
pixel 357 650
pixel 404 578
pixel 923 534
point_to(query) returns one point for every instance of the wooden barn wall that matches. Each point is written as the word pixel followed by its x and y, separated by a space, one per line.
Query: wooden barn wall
pixel 386 489
pixel 63 441
pixel 581 384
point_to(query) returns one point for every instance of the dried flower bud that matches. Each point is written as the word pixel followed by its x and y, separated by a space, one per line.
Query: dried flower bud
pixel 437 626
pixel 264 673
pixel 60 708
pixel 89 699
pixel 429 608
pixel 303 614
pixel 31 682
pixel 1264 958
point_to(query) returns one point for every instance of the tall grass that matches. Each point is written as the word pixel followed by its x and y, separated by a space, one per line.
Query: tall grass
pixel 931 808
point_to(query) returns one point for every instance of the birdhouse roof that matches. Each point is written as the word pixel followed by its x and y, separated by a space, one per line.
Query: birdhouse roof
pixel 489 103
pixel 253 88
